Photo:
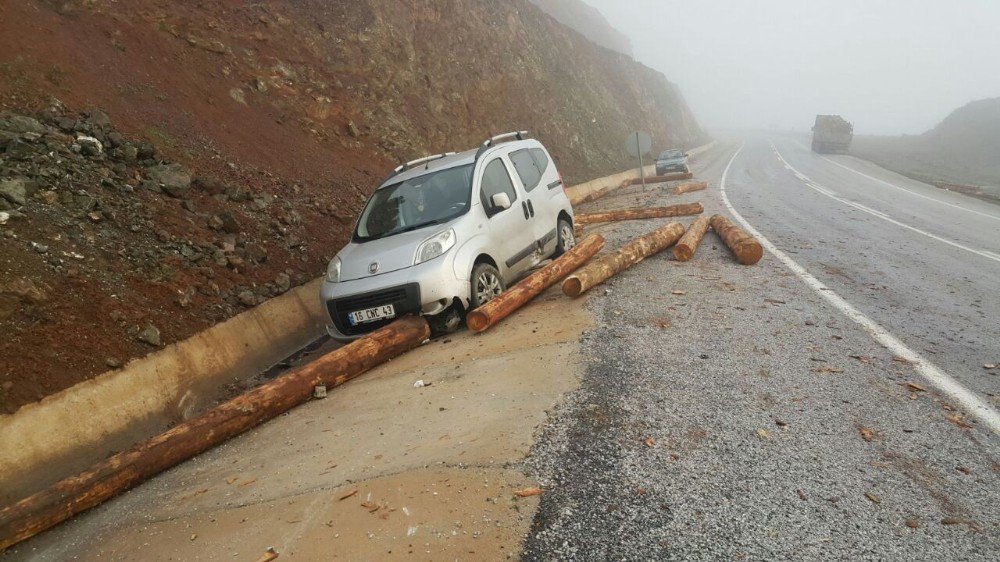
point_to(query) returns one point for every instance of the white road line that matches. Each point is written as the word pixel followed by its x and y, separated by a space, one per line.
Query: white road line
pixel 965 398
pixel 901 188
pixel 829 193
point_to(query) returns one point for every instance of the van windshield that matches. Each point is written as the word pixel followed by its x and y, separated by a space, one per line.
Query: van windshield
pixel 429 199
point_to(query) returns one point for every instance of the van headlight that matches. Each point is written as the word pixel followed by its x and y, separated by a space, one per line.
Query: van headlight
pixel 333 270
pixel 435 246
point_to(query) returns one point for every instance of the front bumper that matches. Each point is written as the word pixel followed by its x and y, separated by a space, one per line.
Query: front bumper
pixel 427 288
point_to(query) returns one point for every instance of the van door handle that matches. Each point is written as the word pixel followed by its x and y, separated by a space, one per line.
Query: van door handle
pixel 531 207
pixel 524 207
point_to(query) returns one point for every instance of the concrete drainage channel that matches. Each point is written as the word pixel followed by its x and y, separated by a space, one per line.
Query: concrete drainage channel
pixel 169 390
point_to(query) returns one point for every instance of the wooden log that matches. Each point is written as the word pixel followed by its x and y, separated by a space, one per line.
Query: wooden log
pixel 124 470
pixel 510 300
pixel 639 213
pixel 690 186
pixel 628 255
pixel 688 243
pixel 746 249
pixel 676 176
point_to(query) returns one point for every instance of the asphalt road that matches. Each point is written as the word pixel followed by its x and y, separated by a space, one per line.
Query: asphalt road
pixel 770 412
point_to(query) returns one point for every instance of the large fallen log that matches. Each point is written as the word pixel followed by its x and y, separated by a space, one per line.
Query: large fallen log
pixel 688 243
pixel 676 176
pixel 510 300
pixel 690 186
pixel 639 213
pixel 625 257
pixel 746 249
pixel 124 470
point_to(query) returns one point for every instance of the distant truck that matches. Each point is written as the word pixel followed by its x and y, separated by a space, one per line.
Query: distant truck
pixel 832 134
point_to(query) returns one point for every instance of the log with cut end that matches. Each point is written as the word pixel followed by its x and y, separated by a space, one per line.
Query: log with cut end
pixel 690 186
pixel 124 470
pixel 625 257
pixel 688 243
pixel 746 249
pixel 676 176
pixel 514 298
pixel 640 213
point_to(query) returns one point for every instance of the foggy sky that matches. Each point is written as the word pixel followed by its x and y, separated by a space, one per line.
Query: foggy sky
pixel 889 66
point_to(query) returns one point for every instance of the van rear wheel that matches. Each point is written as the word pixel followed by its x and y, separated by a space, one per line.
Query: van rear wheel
pixel 486 284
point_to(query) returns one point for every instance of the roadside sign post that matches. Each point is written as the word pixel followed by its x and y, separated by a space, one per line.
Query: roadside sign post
pixel 637 144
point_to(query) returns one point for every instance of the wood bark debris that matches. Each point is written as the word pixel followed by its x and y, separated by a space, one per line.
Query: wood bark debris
pixel 528 492
pixel 745 247
pixel 640 213
pixel 531 286
pixel 269 555
pixel 625 257
pixel 688 244
pixel 690 186
pixel 129 468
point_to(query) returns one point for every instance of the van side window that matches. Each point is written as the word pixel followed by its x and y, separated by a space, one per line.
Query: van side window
pixel 496 180
pixel 541 160
pixel 527 168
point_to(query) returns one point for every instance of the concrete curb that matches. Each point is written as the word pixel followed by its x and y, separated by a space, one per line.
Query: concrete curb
pixel 68 431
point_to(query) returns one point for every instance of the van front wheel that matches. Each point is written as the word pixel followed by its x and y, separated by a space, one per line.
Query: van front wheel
pixel 486 284
pixel 566 237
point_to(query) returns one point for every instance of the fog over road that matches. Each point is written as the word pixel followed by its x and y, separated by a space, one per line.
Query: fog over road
pixel 738 413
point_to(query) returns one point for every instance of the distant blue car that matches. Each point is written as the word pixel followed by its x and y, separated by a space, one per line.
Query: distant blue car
pixel 673 160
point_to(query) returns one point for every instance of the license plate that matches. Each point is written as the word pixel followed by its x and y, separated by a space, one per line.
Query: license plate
pixel 372 314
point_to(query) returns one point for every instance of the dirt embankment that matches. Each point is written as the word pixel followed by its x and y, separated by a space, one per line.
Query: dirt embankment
pixel 283 116
pixel 959 154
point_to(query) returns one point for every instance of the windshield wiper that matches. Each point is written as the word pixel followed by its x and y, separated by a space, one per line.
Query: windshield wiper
pixel 415 227
pixel 410 228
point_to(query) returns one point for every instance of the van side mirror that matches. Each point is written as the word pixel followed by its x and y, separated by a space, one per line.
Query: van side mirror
pixel 500 201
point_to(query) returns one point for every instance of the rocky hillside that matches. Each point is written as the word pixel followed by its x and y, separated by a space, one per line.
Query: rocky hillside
pixel 960 153
pixel 165 165
pixel 588 21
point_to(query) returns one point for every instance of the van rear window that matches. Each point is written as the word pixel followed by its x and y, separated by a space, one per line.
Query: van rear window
pixel 530 164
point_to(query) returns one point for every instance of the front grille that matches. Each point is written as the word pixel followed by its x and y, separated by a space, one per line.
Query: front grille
pixel 405 298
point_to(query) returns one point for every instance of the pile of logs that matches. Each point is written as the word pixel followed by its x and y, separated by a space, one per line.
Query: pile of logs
pixel 124 470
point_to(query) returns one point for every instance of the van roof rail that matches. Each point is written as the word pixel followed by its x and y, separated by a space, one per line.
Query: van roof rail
pixel 414 163
pixel 419 161
pixel 518 135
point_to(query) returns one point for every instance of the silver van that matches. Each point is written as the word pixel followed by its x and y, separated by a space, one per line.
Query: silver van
pixel 444 234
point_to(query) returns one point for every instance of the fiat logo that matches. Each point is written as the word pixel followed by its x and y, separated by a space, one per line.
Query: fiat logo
pixel 373 267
